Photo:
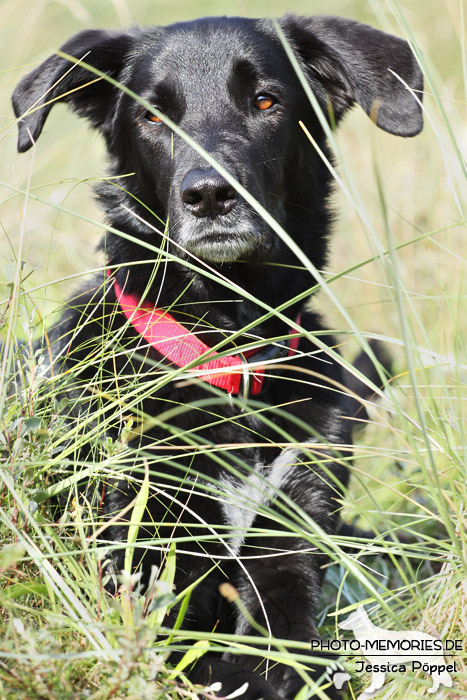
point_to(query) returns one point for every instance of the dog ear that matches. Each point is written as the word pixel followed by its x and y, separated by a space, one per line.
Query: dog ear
pixel 57 79
pixel 348 62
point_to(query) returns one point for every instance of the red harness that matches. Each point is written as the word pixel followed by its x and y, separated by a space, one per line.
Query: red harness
pixel 181 347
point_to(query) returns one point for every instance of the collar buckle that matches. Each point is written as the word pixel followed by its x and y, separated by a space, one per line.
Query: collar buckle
pixel 245 382
pixel 275 351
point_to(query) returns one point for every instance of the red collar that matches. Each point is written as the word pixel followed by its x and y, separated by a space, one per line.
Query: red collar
pixel 182 347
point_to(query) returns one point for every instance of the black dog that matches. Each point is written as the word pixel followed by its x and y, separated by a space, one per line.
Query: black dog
pixel 230 86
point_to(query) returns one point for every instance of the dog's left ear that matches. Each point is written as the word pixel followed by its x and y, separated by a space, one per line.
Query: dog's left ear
pixel 347 62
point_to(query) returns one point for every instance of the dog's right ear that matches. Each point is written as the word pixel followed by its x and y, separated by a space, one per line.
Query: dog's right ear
pixel 57 79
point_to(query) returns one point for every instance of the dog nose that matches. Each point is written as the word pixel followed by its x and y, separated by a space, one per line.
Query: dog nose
pixel 206 193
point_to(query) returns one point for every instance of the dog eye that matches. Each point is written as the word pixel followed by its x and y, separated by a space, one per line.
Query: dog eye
pixel 150 117
pixel 264 102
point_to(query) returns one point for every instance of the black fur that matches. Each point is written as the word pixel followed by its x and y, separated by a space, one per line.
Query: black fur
pixel 206 76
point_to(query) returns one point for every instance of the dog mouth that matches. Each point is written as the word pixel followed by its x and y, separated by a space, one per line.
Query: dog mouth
pixel 222 245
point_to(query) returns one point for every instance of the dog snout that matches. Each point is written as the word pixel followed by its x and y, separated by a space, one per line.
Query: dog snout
pixel 205 193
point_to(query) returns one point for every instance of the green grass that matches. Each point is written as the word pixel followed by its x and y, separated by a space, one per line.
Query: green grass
pixel 397 272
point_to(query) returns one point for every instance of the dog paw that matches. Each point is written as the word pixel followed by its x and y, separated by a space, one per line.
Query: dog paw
pixel 239 693
pixel 230 681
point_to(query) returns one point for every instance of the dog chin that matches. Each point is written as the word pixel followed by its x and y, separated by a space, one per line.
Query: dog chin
pixel 223 248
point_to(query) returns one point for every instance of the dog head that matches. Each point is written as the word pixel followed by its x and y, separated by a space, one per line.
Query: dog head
pixel 230 86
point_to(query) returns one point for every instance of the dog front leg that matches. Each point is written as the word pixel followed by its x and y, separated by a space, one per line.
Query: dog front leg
pixel 280 580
